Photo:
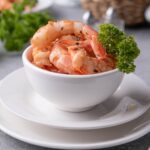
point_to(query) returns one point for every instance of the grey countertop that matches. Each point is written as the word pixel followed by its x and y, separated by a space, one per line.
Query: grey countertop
pixel 9 63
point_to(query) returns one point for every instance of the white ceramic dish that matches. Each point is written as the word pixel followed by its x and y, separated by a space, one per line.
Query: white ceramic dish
pixel 42 5
pixel 68 3
pixel 130 101
pixel 69 139
pixel 73 93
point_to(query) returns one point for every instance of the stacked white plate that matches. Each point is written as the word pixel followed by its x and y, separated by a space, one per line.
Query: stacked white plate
pixel 42 5
pixel 27 116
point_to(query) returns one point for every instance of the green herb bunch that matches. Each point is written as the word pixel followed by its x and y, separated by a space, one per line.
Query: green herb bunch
pixel 30 3
pixel 17 27
pixel 123 47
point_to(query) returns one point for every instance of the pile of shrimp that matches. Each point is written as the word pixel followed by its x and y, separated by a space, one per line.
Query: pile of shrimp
pixel 7 4
pixel 70 47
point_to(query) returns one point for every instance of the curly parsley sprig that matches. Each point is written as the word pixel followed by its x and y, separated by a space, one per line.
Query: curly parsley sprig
pixel 123 47
pixel 17 27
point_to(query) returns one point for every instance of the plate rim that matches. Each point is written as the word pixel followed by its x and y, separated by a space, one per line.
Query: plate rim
pixel 50 3
pixel 139 133
pixel 57 125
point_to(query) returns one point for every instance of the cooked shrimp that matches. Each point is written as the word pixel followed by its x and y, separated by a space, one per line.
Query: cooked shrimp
pixel 54 30
pixel 70 60
pixel 61 59
pixel 41 58
pixel 88 65
pixel 106 64
pixel 97 47
pixel 5 4
pixel 70 47
pixel 78 57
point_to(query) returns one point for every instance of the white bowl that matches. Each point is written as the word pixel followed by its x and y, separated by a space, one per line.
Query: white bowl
pixel 73 93
pixel 42 5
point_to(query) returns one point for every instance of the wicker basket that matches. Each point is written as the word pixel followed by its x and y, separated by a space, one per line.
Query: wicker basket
pixel 131 11
pixel 97 7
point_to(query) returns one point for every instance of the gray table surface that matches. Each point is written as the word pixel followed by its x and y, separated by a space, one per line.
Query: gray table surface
pixel 9 63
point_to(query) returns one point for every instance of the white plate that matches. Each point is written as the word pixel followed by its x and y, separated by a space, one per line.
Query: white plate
pixel 70 139
pixel 42 5
pixel 129 102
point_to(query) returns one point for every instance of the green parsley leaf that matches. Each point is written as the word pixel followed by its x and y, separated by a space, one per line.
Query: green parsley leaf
pixel 17 27
pixel 118 44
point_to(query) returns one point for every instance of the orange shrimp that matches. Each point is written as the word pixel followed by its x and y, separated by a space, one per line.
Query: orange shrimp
pixel 54 30
pixel 61 59
pixel 71 47
pixel 5 4
pixel 41 58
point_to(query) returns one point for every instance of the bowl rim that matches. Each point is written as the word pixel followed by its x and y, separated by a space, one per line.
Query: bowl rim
pixel 46 72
